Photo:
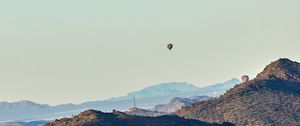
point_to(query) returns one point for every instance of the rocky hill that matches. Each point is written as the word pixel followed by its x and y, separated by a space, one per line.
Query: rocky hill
pixel 272 98
pixel 177 103
pixel 97 118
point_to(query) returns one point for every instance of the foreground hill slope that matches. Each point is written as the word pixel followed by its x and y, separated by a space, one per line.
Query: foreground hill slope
pixel 272 98
pixel 97 118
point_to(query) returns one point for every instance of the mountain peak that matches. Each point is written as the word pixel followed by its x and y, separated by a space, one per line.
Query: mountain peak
pixel 24 104
pixel 283 68
pixel 163 89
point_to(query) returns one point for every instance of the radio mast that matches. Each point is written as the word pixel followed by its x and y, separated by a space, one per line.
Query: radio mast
pixel 134 104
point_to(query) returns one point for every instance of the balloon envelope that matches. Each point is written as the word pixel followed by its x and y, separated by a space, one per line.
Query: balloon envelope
pixel 245 78
pixel 170 46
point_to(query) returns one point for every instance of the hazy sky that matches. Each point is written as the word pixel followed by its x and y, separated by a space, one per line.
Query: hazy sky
pixel 62 51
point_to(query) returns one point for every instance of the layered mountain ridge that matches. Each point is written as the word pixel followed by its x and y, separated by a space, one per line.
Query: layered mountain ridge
pixel 145 98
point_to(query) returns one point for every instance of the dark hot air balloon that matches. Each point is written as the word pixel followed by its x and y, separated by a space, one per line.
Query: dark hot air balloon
pixel 170 46
pixel 245 78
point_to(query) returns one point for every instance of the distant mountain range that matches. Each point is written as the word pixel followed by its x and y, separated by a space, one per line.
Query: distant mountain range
pixel 163 89
pixel 30 123
pixel 270 99
pixel 146 98
pixel 144 112
pixel 21 105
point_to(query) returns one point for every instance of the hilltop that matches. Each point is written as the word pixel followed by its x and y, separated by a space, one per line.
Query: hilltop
pixel 97 118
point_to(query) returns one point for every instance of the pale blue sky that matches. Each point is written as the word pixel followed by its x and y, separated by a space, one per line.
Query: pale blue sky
pixel 62 51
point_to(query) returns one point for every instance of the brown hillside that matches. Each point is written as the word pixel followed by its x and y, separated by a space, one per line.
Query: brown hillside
pixel 97 118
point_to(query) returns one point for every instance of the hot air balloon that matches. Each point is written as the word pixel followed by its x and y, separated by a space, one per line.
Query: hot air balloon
pixel 170 46
pixel 245 78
